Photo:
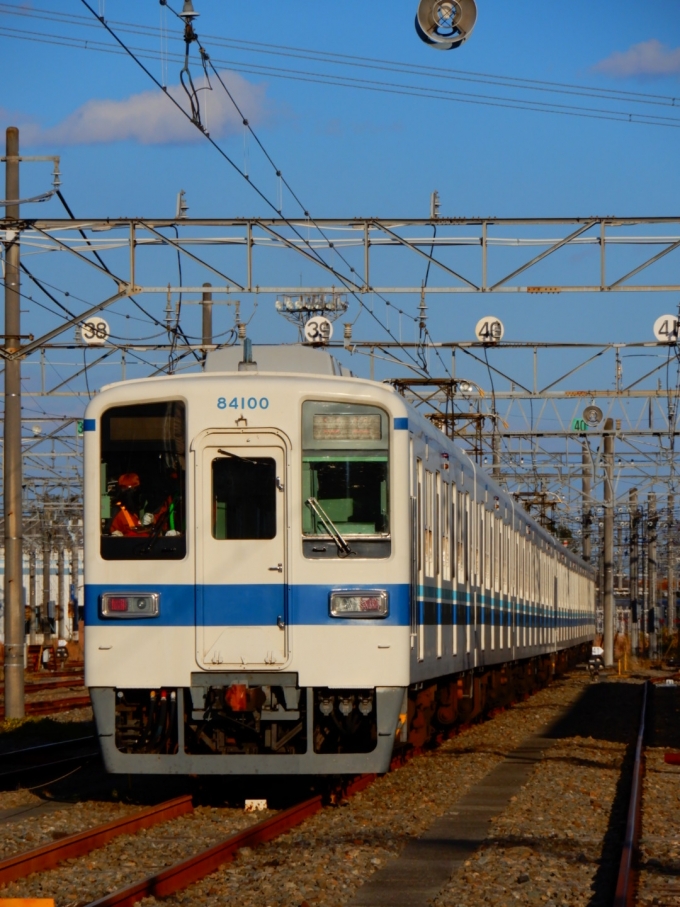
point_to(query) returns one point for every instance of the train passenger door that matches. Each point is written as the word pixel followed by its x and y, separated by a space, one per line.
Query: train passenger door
pixel 241 551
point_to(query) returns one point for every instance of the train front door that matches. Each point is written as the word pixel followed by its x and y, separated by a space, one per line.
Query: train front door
pixel 241 551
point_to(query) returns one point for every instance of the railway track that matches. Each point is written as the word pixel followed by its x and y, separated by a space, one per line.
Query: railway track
pixel 385 813
pixel 53 706
pixel 626 884
pixel 36 760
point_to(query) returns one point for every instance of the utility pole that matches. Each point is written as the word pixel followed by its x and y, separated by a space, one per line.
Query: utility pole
pixel 207 306
pixel 633 542
pixel 60 622
pixel 608 544
pixel 496 450
pixel 12 473
pixel 46 558
pixel 587 518
pixel 651 577
pixel 671 566
pixel 74 588
pixel 32 603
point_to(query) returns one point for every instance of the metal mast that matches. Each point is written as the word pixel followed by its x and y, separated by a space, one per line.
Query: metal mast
pixel 14 605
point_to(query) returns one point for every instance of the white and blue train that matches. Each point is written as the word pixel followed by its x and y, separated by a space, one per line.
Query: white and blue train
pixel 289 570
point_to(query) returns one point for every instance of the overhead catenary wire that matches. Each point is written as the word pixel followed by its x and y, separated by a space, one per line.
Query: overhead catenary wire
pixel 317 78
pixel 363 61
pixel 347 283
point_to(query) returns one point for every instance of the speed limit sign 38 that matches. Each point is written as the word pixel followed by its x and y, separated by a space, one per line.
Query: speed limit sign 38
pixel 94 331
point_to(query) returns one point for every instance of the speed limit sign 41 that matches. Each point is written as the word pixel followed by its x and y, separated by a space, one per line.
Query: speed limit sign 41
pixel 666 328
pixel 94 331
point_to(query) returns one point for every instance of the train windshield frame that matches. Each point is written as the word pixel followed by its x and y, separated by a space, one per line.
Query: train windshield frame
pixel 143 481
pixel 345 480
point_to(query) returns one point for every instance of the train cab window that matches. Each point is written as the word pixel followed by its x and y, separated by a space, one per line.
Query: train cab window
pixel 345 480
pixel 244 498
pixel 143 482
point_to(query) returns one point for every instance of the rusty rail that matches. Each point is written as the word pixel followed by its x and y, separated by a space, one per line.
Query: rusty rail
pixel 179 876
pixel 625 885
pixel 50 707
pixel 49 855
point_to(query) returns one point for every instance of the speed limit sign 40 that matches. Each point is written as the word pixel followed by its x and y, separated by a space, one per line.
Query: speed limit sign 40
pixel 489 330
pixel 94 331
pixel 666 329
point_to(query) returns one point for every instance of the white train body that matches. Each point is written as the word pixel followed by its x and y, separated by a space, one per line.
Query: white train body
pixel 232 632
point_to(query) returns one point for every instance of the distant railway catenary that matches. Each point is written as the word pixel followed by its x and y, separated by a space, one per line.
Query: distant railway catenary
pixel 290 570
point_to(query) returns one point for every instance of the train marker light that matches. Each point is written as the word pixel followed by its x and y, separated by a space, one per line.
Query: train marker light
pixel 373 603
pixel 130 604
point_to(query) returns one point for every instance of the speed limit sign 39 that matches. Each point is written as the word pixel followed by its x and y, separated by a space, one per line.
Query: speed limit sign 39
pixel 318 330
pixel 94 331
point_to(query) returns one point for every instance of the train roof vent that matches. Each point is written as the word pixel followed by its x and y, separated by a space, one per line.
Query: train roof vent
pixel 304 360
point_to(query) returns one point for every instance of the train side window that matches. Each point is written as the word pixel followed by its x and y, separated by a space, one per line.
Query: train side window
pixel 429 523
pixel 243 498
pixel 446 531
pixel 142 470
pixel 345 478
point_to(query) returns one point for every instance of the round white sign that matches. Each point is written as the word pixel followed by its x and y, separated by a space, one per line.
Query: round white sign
pixel 95 331
pixel 666 328
pixel 489 330
pixel 318 330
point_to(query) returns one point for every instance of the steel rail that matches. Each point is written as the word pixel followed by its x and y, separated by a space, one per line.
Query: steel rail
pixel 46 857
pixel 183 874
pixel 56 705
pixel 625 885
pixel 41 747
pixel 45 685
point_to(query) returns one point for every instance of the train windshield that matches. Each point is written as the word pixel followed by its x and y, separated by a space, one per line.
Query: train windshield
pixel 143 482
pixel 345 473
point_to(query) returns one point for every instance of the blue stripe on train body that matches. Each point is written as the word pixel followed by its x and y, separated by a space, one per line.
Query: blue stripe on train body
pixel 243 605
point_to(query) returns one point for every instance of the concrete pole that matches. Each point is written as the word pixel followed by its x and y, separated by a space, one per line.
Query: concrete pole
pixel 608 544
pixel 45 616
pixel 634 561
pixel 587 519
pixel 74 587
pixel 32 598
pixel 13 497
pixel 60 622
pixel 670 569
pixel 496 450
pixel 206 307
pixel 652 576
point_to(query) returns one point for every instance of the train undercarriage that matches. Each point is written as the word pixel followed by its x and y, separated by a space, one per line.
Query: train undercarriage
pixel 267 724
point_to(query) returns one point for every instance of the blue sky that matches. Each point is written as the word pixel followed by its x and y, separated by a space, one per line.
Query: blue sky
pixel 351 152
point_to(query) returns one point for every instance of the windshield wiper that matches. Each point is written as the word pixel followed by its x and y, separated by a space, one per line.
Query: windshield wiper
pixel 329 526
pixel 228 453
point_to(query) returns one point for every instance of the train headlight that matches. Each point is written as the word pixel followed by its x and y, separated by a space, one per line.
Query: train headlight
pixel 130 604
pixel 360 603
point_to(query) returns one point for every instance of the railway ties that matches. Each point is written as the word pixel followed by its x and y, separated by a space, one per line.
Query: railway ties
pixel 650 869
pixel 474 793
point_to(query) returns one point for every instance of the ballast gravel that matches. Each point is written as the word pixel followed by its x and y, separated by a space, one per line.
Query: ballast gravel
pixel 129 858
pixel 659 882
pixel 546 848
pixel 324 861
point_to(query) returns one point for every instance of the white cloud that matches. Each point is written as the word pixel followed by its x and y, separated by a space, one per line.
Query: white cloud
pixel 650 58
pixel 152 119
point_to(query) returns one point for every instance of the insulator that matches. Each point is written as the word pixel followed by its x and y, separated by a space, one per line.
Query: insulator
pixel 445 24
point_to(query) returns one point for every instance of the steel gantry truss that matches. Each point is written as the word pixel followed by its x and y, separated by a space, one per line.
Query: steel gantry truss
pixel 515 406
pixel 465 255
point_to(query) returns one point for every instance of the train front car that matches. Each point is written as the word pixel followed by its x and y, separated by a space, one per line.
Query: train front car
pixel 247 595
